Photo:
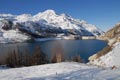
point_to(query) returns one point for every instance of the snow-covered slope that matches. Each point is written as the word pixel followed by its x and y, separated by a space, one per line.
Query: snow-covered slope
pixel 60 71
pixel 67 22
pixel 111 59
pixel 109 56
pixel 47 24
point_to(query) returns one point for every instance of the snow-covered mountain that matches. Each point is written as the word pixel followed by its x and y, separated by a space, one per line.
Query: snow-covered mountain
pixel 45 24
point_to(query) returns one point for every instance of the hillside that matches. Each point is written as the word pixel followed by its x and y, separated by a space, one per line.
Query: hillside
pixel 60 71
pixel 110 55
pixel 112 35
pixel 42 25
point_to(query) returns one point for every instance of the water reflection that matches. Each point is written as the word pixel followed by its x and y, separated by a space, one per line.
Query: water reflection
pixel 62 49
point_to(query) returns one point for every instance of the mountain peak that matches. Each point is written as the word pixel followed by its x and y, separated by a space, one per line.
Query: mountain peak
pixel 49 11
pixel 44 15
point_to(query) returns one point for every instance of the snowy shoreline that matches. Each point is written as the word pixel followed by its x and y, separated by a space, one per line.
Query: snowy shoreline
pixel 40 39
pixel 47 39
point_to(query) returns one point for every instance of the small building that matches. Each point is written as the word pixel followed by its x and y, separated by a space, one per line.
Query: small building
pixel 88 37
pixel 68 37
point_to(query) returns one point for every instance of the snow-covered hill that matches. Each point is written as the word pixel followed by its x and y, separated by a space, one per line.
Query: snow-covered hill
pixel 111 59
pixel 45 24
pixel 110 56
pixel 60 71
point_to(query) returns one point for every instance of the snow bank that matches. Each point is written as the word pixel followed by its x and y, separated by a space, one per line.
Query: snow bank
pixel 60 71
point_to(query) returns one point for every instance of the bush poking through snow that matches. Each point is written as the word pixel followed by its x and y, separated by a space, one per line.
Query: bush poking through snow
pixel 77 59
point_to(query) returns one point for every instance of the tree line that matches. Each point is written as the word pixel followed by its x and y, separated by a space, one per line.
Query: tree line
pixel 17 58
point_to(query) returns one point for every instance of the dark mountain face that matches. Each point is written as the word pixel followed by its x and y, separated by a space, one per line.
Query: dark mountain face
pixel 6 24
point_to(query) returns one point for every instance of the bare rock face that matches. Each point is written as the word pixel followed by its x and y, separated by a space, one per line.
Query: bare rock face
pixel 6 24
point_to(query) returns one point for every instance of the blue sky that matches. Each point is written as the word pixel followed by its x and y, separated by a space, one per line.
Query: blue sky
pixel 103 13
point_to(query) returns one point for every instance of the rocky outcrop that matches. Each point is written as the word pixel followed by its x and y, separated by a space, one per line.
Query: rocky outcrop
pixel 6 24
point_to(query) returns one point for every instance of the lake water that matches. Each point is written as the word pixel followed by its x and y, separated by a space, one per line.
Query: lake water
pixel 69 48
